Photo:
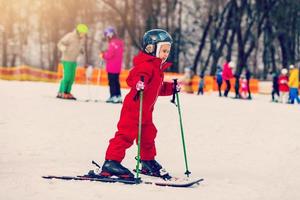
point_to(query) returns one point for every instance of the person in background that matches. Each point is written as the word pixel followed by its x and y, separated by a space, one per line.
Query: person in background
pixel 187 80
pixel 227 75
pixel 71 46
pixel 244 87
pixel 283 86
pixel 237 86
pixel 201 85
pixel 248 77
pixel 219 79
pixel 113 57
pixel 294 84
pixel 275 87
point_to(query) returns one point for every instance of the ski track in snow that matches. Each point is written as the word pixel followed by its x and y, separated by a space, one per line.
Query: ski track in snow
pixel 245 150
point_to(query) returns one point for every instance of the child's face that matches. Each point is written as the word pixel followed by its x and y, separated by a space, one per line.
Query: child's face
pixel 164 52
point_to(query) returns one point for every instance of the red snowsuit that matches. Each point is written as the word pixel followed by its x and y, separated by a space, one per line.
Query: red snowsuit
pixel 149 67
pixel 283 83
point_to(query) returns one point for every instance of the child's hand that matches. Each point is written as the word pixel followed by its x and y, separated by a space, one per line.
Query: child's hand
pixel 101 55
pixel 178 87
pixel 140 85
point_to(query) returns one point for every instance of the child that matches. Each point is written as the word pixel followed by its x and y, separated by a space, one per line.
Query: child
pixel 149 63
pixel 201 85
pixel 244 87
pixel 187 80
pixel 283 86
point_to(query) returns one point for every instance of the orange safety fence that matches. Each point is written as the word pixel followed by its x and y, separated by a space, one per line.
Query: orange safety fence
pixel 26 73
pixel 210 82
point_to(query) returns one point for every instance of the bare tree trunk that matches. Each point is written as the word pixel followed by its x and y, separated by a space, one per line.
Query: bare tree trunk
pixel 4 49
pixel 202 43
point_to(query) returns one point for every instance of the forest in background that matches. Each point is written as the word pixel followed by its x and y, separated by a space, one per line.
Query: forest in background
pixel 261 35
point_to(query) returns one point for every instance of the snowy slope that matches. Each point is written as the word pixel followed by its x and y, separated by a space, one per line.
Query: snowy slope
pixel 245 150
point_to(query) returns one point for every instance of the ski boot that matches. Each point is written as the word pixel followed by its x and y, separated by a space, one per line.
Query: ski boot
pixel 114 168
pixel 109 100
pixel 117 99
pixel 153 168
pixel 114 99
pixel 68 96
pixel 60 95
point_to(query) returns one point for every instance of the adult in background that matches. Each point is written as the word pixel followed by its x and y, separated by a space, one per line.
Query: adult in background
pixel 113 57
pixel 219 79
pixel 275 87
pixel 248 77
pixel 71 46
pixel 227 75
pixel 294 84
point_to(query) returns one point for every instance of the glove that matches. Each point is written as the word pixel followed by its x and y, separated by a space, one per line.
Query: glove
pixel 140 86
pixel 178 87
pixel 101 55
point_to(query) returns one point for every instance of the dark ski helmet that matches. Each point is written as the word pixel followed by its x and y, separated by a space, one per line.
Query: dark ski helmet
pixel 152 38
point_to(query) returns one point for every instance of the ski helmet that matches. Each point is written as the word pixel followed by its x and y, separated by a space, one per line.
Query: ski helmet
pixel 82 28
pixel 153 39
pixel 109 32
pixel 292 66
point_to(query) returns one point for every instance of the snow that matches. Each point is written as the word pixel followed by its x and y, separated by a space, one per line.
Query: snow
pixel 245 150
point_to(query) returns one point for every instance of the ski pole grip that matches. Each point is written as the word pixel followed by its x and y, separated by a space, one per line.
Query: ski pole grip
pixel 143 80
pixel 136 97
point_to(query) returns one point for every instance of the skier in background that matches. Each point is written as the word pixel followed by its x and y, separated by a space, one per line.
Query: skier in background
pixel 227 75
pixel 187 80
pixel 219 79
pixel 201 85
pixel 244 87
pixel 113 57
pixel 275 87
pixel 283 86
pixel 71 46
pixel 294 84
pixel 149 63
pixel 248 77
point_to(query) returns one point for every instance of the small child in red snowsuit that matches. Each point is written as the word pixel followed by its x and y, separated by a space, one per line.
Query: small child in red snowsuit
pixel 149 63
pixel 244 87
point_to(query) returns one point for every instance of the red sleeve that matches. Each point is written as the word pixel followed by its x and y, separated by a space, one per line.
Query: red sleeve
pixel 166 89
pixel 136 73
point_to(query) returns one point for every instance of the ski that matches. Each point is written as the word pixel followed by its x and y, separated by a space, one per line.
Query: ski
pixel 95 179
pixel 158 182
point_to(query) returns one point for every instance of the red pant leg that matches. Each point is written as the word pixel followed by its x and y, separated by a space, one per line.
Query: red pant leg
pixel 148 150
pixel 123 139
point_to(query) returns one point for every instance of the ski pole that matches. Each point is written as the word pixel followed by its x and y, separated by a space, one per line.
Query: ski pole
pixel 138 160
pixel 175 93
pixel 89 76
pixel 99 72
